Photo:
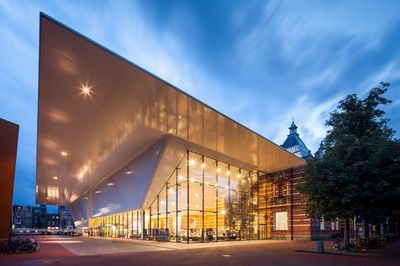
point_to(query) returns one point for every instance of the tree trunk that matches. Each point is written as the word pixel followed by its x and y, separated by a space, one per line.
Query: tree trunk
pixel 347 231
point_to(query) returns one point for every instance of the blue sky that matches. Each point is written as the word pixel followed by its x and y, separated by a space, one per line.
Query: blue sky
pixel 259 62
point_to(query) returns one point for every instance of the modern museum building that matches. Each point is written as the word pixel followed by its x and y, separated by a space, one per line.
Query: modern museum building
pixel 135 157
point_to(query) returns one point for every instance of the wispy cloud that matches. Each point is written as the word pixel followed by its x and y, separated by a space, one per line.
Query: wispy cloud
pixel 259 62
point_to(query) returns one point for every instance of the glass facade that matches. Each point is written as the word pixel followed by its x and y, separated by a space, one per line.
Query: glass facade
pixel 203 200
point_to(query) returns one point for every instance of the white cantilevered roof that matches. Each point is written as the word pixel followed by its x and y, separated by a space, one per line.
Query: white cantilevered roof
pixel 97 110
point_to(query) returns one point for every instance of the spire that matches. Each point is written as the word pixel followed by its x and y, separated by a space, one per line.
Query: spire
pixel 294 144
pixel 293 128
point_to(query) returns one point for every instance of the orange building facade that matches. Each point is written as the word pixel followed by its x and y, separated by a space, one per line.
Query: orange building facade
pixel 8 155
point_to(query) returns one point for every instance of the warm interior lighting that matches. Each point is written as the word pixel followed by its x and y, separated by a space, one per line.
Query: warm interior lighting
pixel 203 165
pixel 180 177
pixel 110 184
pixel 162 202
pixel 238 175
pixel 218 170
pixel 191 162
pixel 223 212
pixel 197 195
pixel 55 177
pixel 228 172
pixel 63 153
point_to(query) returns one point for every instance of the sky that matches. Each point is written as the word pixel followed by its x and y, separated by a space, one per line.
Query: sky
pixel 262 63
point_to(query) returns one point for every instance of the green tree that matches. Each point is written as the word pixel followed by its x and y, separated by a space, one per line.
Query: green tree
pixel 359 173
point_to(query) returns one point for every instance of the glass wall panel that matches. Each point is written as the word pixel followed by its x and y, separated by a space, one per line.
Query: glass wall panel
pixel 162 202
pixel 196 169
pixel 171 198
pixel 195 197
pixel 223 174
pixel 210 226
pixel 182 196
pixel 210 171
pixel 182 226
pixel 195 226
pixel 210 198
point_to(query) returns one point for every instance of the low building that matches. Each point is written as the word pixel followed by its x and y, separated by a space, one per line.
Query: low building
pixel 66 221
pixel 22 216
pixel 53 221
pixel 39 216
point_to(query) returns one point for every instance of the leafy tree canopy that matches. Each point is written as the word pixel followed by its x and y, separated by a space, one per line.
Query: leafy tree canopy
pixel 359 173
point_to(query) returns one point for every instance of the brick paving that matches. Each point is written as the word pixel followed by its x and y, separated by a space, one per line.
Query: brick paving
pixel 97 252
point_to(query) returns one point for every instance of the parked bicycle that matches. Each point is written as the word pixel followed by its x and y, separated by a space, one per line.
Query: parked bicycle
pixel 19 244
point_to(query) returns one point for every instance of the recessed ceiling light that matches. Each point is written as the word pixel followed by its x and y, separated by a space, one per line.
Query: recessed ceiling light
pixel 110 184
pixel 128 172
pixel 63 153
pixel 98 191
pixel 86 90
pixel 55 177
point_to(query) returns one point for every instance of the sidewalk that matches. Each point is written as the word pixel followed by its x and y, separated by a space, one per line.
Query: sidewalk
pixel 192 245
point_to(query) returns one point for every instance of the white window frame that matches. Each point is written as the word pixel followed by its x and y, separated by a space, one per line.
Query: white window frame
pixel 281 221
pixel 322 224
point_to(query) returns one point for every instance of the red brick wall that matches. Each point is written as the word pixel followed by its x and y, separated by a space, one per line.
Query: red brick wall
pixel 282 195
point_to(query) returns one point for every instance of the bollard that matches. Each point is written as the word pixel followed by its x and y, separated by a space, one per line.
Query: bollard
pixel 320 246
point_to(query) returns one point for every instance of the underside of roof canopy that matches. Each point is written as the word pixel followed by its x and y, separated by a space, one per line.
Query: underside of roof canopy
pixel 97 111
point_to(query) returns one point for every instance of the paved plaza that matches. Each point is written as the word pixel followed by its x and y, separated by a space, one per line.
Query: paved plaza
pixel 60 250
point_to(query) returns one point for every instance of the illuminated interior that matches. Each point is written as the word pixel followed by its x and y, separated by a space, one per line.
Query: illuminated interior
pixel 203 200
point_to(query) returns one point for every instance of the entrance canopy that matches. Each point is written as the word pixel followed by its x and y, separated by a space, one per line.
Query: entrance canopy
pixel 97 111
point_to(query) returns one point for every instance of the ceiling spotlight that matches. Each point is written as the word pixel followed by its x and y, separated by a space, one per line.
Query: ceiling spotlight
pixel 228 172
pixel 218 170
pixel 110 184
pixel 203 165
pixel 98 192
pixel 128 172
pixel 191 162
pixel 55 177
pixel 86 90
pixel 63 153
